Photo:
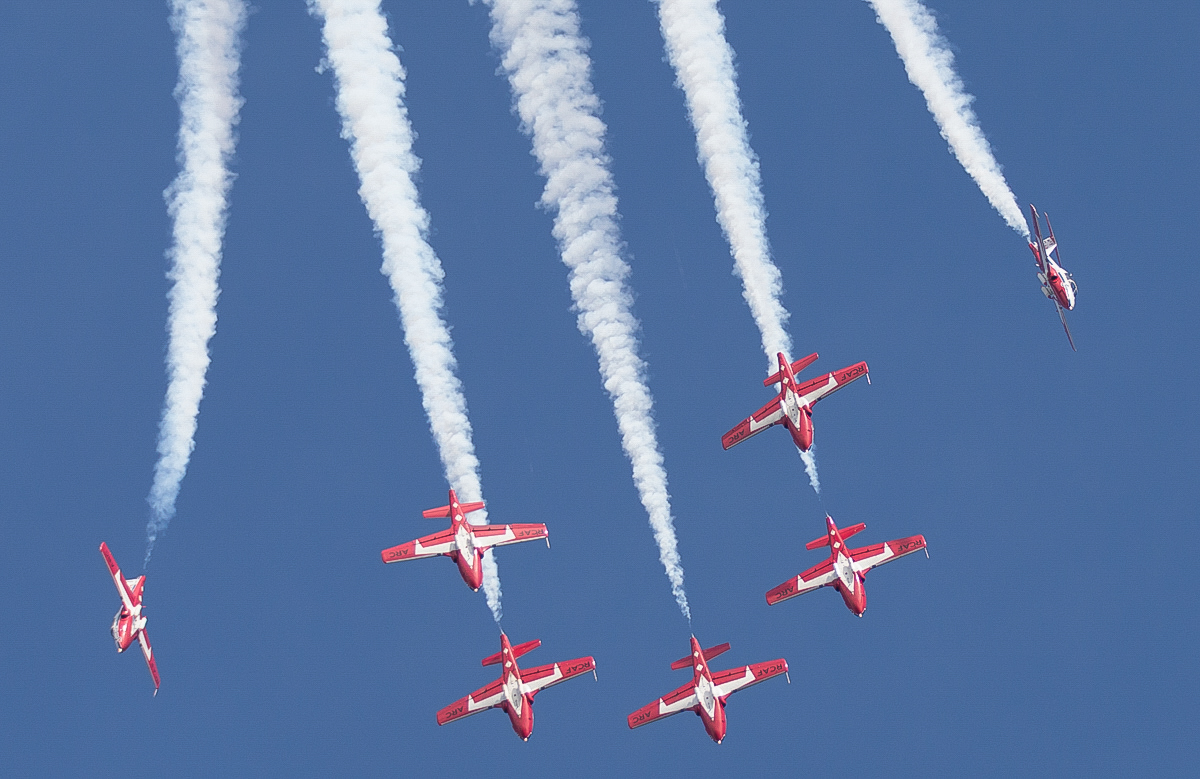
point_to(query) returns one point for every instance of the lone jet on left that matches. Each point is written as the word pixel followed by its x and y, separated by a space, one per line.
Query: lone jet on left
pixel 463 542
pixel 129 625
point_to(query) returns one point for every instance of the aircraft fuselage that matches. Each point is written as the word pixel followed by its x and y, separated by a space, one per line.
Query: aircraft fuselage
pixel 710 708
pixel 467 557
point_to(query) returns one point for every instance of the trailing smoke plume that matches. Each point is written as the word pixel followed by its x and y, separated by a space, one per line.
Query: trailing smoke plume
pixel 810 467
pixel 694 32
pixel 930 66
pixel 548 69
pixel 370 92
pixel 208 47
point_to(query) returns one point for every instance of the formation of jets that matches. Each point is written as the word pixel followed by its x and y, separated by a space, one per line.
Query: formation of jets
pixel 707 693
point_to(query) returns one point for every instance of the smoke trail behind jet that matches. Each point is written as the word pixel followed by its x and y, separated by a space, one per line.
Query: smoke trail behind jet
pixel 810 467
pixel 548 69
pixel 208 46
pixel 930 66
pixel 694 33
pixel 370 92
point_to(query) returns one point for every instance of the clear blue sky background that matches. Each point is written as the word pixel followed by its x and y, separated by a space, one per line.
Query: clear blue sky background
pixel 1054 628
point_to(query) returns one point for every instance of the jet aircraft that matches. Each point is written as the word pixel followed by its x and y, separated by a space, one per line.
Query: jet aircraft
pixel 1057 283
pixel 463 543
pixel 130 625
pixel 845 568
pixel 514 690
pixel 707 693
pixel 793 406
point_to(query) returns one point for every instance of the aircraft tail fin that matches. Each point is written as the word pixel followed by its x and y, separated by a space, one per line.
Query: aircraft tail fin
pixel 709 654
pixel 517 651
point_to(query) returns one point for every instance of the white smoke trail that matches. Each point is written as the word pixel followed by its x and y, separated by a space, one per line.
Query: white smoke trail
pixel 810 467
pixel 694 33
pixel 208 46
pixel 930 66
pixel 548 68
pixel 370 92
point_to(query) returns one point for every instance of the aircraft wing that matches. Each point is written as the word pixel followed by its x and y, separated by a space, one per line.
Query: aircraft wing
pixel 482 699
pixel 682 699
pixel 118 579
pixel 868 557
pixel 819 575
pixel 815 389
pixel 144 640
pixel 487 536
pixel 534 680
pixel 729 682
pixel 425 546
pixel 770 414
pixel 1063 317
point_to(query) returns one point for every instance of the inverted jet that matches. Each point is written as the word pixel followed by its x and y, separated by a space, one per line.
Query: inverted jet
pixel 792 407
pixel 514 691
pixel 130 624
pixel 707 692
pixel 846 568
pixel 1057 283
pixel 463 542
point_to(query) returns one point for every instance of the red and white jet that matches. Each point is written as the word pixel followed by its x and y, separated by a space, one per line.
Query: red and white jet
pixel 129 624
pixel 845 568
pixel 463 543
pixel 514 690
pixel 707 693
pixel 1057 283
pixel 793 406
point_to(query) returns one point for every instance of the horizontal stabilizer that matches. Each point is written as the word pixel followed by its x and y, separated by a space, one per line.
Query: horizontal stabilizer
pixel 444 511
pixel 797 366
pixel 517 651
pixel 709 654
pixel 846 532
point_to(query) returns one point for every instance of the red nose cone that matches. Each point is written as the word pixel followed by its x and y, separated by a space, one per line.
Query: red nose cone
pixel 804 436
pixel 859 600
pixel 472 575
pixel 523 723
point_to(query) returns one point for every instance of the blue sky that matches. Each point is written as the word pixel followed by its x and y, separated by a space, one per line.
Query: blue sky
pixel 1053 629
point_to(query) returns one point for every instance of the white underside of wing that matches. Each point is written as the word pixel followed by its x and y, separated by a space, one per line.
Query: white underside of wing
pixel 867 563
pixel 684 704
pixel 545 681
pixel 819 392
pixel 735 684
